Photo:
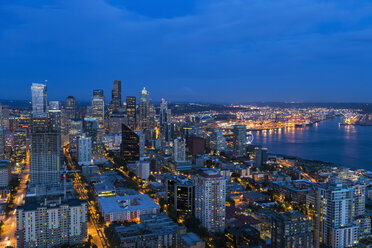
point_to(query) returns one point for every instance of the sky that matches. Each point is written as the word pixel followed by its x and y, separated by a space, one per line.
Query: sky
pixel 188 50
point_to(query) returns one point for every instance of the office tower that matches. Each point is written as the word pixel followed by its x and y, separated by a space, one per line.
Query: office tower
pixel 131 112
pixel 54 116
pixel 217 141
pixel 165 113
pixel 115 121
pixel 179 149
pixel 129 148
pixel 51 222
pixel 240 140
pixel 181 195
pixel 291 229
pixel 143 169
pixel 84 149
pixel 333 220
pixel 39 99
pixel 40 124
pixel 19 147
pixel 90 127
pixel 5 174
pixel 46 156
pixel 142 141
pixel 116 96
pixel 25 120
pixel 196 145
pixel 70 107
pixel 210 194
pixel 98 107
pixel 98 150
pixel 76 129
pixel 4 116
pixel 2 143
pixel 260 156
pixel 167 132
pixel 144 115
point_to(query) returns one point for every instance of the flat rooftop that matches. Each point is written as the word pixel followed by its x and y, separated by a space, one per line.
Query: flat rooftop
pixel 119 204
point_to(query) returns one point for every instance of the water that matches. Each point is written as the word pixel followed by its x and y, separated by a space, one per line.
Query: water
pixel 346 146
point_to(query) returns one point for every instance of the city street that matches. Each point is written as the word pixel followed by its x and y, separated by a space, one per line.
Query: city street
pixel 8 238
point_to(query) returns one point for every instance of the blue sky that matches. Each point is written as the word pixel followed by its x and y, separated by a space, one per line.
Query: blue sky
pixel 216 51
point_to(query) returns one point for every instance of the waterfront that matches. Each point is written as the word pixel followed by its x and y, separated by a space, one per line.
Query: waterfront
pixel 346 146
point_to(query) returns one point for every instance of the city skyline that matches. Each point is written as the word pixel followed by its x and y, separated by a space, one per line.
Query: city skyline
pixel 230 51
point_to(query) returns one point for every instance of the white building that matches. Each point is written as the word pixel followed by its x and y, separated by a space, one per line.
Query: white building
pixel 179 149
pixel 210 194
pixel 143 169
pixel 84 149
pixel 127 208
pixel 334 218
pixel 51 222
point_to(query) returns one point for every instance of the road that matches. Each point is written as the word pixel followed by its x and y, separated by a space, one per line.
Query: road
pixel 8 238
pixel 305 175
pixel 94 229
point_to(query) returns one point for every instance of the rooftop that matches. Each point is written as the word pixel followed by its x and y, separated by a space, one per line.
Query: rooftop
pixel 119 204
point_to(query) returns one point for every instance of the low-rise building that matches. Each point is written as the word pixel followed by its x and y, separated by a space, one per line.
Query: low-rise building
pixel 127 208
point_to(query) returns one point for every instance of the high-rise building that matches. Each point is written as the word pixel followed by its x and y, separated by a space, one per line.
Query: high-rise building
pixel 144 114
pixel 5 174
pixel 181 195
pixel 75 130
pixel 291 229
pixel 240 140
pixel 98 107
pixel 167 132
pixel 179 149
pixel 46 157
pixel 51 222
pixel 142 141
pixel 131 112
pixel 217 141
pixel 164 114
pixel 115 122
pixel 333 220
pixel 19 147
pixel 39 99
pixel 84 149
pixel 210 195
pixel 143 169
pixel 116 96
pixel 129 148
pixel 2 143
pixel 90 127
pixel 70 107
pixel 54 116
pixel 260 156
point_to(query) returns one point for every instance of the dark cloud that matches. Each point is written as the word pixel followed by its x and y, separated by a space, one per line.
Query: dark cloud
pixel 225 50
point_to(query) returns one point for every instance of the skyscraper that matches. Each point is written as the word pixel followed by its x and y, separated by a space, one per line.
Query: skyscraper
pixel 333 220
pixel 116 96
pixel 129 148
pixel 179 149
pixel 19 146
pixel 260 156
pixel 131 111
pixel 164 114
pixel 210 194
pixel 98 107
pixel 46 156
pixel 144 114
pixel 240 140
pixel 39 99
pixel 2 143
pixel 181 194
pixel 217 141
pixel 54 116
pixel 90 127
pixel 70 107
pixel 84 149
pixel 291 229
pixel 76 129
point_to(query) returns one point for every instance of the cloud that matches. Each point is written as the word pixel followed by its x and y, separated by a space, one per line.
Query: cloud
pixel 206 46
